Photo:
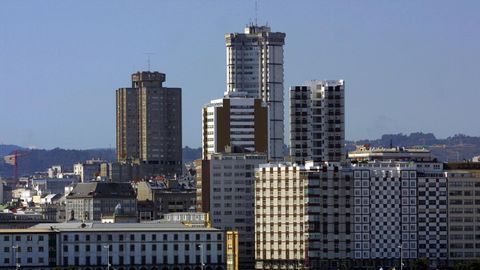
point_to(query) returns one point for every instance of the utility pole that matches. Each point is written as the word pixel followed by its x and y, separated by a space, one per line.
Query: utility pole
pixel 201 255
pixel 108 255
pixel 401 256
pixel 15 254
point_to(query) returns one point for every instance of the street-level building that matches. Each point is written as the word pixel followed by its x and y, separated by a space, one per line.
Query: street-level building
pixel 165 200
pixel 156 245
pixel 89 201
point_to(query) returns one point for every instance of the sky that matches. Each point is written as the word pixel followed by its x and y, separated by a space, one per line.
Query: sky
pixel 408 65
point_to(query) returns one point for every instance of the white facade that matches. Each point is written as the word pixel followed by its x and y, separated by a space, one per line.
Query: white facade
pixel 400 203
pixel 232 180
pixel 385 212
pixel 28 247
pixel 255 66
pixel 148 245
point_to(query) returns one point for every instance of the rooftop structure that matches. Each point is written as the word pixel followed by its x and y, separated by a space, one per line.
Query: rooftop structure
pixel 368 153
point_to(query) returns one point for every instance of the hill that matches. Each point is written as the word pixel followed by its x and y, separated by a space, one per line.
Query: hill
pixel 454 148
pixel 36 160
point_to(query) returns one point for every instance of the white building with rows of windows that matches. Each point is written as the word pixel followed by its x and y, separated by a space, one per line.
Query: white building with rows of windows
pixel 135 246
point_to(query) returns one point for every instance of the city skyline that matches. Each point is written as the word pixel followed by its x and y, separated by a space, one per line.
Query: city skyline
pixel 423 54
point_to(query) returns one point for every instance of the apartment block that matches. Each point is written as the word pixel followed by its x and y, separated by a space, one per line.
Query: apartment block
pixel 228 184
pixel 303 216
pixel 149 124
pixel 235 121
pixel 255 66
pixel 317 122
pixel 464 209
pixel 400 211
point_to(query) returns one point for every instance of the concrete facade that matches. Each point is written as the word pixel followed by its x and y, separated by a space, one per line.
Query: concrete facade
pixel 317 122
pixel 230 183
pixel 89 201
pixel 255 66
pixel 234 121
pixel 124 246
pixel 303 216
pixel 149 124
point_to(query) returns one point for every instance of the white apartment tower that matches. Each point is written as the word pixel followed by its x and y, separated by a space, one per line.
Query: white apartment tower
pixel 317 121
pixel 255 66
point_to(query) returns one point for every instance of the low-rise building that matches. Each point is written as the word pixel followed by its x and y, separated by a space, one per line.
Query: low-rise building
pixel 156 245
pixel 89 201
pixel 165 199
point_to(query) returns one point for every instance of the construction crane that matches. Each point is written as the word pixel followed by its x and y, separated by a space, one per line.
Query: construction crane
pixel 13 160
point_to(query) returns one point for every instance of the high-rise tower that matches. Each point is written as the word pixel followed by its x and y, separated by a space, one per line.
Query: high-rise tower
pixel 317 121
pixel 255 66
pixel 234 121
pixel 149 124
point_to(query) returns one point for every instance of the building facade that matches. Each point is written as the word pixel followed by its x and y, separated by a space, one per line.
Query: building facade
pixel 303 216
pixel 255 66
pixel 317 122
pixel 149 124
pixel 122 246
pixel 234 121
pixel 89 201
pixel 463 207
pixel 165 200
pixel 229 186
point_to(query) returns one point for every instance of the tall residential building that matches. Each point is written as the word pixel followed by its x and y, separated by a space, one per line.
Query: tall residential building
pixel 317 122
pixel 303 216
pixel 149 124
pixel 225 189
pixel 255 66
pixel 234 121
pixel 400 208
pixel 464 209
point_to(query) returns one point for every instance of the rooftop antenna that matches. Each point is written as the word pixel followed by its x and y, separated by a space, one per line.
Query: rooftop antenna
pixel 256 12
pixel 149 54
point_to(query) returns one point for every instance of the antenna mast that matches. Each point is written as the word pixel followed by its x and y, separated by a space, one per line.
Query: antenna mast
pixel 148 59
pixel 256 12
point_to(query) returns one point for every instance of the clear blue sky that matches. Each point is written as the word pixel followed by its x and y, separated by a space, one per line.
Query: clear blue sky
pixel 408 65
